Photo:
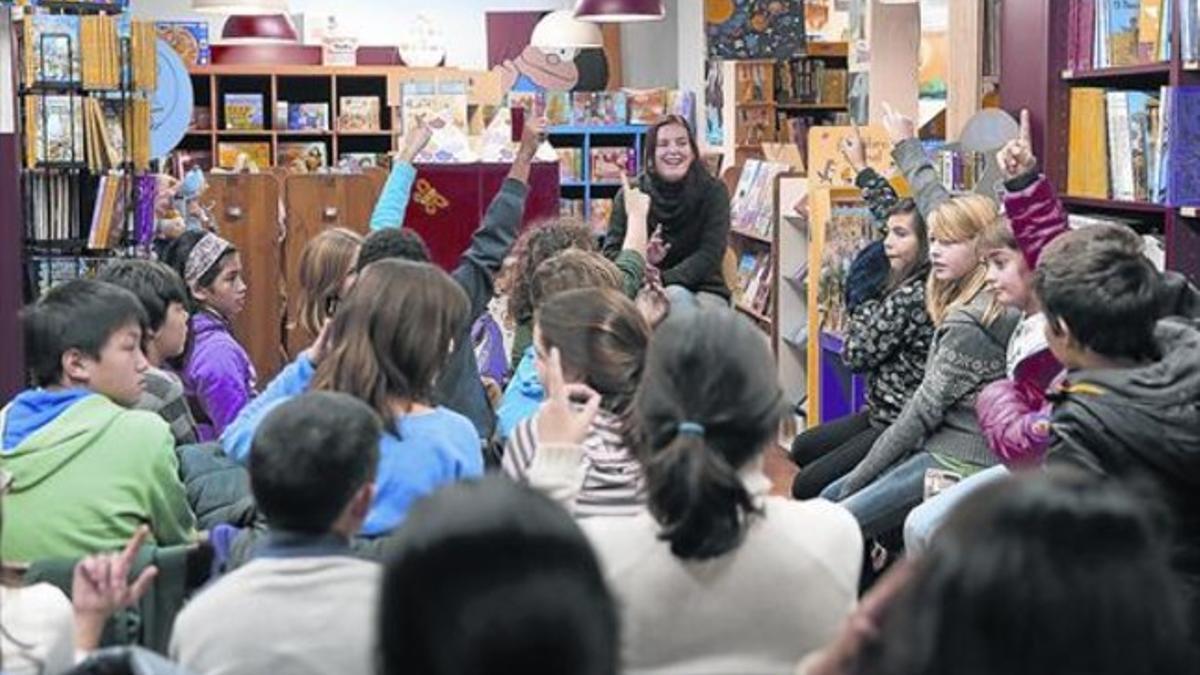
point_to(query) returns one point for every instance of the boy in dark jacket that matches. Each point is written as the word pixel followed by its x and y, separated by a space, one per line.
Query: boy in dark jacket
pixel 1130 408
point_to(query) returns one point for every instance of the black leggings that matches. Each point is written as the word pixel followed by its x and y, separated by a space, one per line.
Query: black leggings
pixel 829 451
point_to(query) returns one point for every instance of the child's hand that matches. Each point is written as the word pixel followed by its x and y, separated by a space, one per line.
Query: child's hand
pixel 653 305
pixel 1016 157
pixel 853 150
pixel 560 420
pixel 899 127
pixel 637 203
pixel 532 136
pixel 100 587
pixel 320 346
pixel 861 628
pixel 414 143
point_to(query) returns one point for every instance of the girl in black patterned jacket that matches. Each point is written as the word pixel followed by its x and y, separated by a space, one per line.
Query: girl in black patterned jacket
pixel 887 334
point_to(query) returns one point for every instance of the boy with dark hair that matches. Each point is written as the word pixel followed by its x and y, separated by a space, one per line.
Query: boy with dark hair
pixel 459 386
pixel 1131 406
pixel 163 296
pixel 87 471
pixel 303 604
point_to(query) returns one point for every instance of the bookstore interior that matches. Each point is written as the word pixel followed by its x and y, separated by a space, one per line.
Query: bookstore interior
pixel 124 123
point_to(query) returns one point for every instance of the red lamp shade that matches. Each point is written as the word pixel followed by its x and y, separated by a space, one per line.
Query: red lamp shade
pixel 259 28
pixel 619 11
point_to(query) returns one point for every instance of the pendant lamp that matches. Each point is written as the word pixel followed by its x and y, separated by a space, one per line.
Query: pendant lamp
pixel 560 30
pixel 240 6
pixel 259 28
pixel 619 11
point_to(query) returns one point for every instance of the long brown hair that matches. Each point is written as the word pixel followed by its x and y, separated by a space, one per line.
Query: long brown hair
pixel 325 263
pixel 960 219
pixel 601 335
pixel 392 336
pixel 536 245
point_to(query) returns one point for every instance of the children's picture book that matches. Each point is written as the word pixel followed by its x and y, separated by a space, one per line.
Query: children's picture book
pixel 570 164
pixel 56 131
pixel 599 108
pixel 426 101
pixel 608 164
pixel 357 161
pixel 53 49
pixel 359 113
pixel 682 103
pixel 601 213
pixel 308 117
pixel 847 232
pixel 448 143
pixel 188 38
pixel 828 166
pixel 244 111
pixel 308 157
pixel 646 106
pixel 558 108
pixel 257 152
pixel 1122 17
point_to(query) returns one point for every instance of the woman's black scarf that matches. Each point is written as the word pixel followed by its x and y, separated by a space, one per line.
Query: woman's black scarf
pixel 674 202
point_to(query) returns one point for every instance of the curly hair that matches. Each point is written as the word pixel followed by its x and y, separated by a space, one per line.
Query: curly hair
pixel 535 246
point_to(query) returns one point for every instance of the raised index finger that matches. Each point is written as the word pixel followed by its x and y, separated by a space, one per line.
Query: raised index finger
pixel 1025 133
pixel 625 182
pixel 135 543
pixel 555 390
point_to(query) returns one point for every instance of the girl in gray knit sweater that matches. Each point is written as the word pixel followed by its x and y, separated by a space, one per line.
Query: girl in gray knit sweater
pixel 937 428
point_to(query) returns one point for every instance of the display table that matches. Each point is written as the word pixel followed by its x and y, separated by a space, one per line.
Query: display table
pixel 449 200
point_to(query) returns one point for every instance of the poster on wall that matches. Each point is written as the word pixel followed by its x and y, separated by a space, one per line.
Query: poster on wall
pixel 525 68
pixel 714 99
pixel 754 29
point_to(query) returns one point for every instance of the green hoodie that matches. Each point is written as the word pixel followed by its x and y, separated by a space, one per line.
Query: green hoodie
pixel 84 482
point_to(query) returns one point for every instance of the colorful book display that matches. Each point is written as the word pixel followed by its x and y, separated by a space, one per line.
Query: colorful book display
pixel 244 112
pixel 359 113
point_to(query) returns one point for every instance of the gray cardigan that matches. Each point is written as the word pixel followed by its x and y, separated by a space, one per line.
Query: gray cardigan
pixel 966 355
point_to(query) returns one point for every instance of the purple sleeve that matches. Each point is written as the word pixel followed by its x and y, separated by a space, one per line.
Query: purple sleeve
pixel 224 384
pixel 1037 217
pixel 1014 418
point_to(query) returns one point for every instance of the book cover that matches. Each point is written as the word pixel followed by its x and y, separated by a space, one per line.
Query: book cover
pixel 1140 105
pixel 306 156
pixel 59 129
pixel 359 113
pixel 558 108
pixel 1149 29
pixel 189 39
pixel 53 49
pixel 1190 30
pixel 244 111
pixel 1087 145
pixel 581 107
pixel 308 117
pixel 257 152
pixel 1120 161
pixel 607 108
pixel 1183 168
pixel 1122 17
pixel 682 103
pixel 646 106
pixel 570 165
pixel 364 160
pixel 608 164
pixel 601 213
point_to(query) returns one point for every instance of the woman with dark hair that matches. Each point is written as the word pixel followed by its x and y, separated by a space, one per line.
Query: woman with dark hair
pixel 712 548
pixel 491 577
pixel 1047 573
pixel 691 207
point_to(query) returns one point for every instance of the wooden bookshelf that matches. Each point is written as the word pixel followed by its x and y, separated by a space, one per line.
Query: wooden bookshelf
pixel 1034 39
pixel 748 88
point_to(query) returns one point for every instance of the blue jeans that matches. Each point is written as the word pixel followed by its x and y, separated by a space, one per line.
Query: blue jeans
pixel 926 519
pixel 882 505
pixel 684 300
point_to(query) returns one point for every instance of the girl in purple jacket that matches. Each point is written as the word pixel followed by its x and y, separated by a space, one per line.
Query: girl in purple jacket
pixel 218 377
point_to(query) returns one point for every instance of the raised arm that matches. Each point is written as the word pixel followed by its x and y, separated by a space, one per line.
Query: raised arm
pixel 393 200
pixel 910 157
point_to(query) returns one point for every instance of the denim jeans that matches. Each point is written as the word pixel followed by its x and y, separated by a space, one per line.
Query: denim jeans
pixel 924 521
pixel 684 300
pixel 882 505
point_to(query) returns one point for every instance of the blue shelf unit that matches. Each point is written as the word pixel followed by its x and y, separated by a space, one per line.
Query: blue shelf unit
pixel 586 137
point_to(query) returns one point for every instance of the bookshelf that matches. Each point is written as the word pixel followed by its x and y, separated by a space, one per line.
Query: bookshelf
pixel 591 200
pixel 748 108
pixel 791 293
pixel 1034 43
pixel 754 240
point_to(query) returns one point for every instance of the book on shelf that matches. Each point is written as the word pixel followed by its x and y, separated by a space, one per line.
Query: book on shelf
pixel 599 215
pixel 53 51
pixel 1135 145
pixel 570 164
pixel 308 117
pixel 357 161
pixel 444 101
pixel 202 119
pixel 608 164
pixel 108 215
pixel 257 152
pixel 849 229
pixel 281 114
pixel 54 129
pixel 555 106
pixel 752 206
pixel 752 82
pixel 959 170
pixel 359 113
pixel 189 39
pixel 811 81
pixel 646 106
pixel 683 104
pixel 599 108
pixel 753 290
pixel 571 208
pixel 244 112
pixel 1190 31
pixel 1153 246
pixel 1120 33
pixel 754 126
pixel 303 157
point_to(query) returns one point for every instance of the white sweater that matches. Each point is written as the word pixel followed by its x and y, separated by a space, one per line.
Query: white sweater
pixel 780 595
pixel 39 629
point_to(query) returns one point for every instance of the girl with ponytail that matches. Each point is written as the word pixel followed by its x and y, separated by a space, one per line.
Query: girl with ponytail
pixel 712 548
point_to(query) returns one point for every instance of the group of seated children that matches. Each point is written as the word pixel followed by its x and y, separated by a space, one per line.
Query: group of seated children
pixel 1033 413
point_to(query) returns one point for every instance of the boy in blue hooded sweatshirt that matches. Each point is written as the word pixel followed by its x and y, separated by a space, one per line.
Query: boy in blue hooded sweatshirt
pixel 87 470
